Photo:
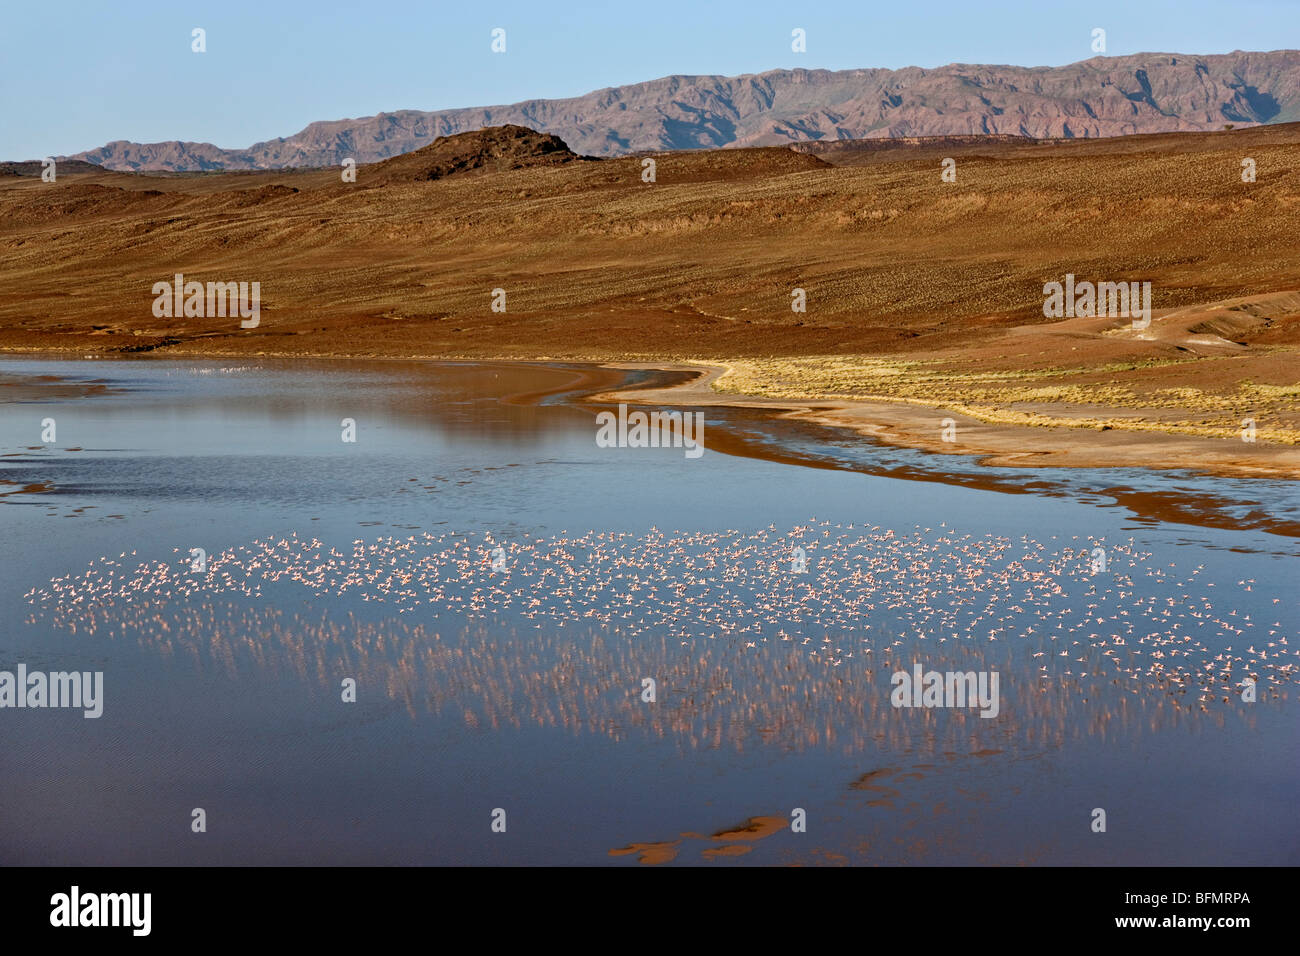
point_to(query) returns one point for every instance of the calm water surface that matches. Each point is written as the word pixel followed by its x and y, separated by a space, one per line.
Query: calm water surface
pixel 513 678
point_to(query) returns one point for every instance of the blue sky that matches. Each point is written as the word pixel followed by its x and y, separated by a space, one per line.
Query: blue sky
pixel 78 74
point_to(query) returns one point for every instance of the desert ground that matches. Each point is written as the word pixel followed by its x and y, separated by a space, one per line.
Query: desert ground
pixel 924 298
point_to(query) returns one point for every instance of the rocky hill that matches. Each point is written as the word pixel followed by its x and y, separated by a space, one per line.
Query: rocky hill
pixel 495 149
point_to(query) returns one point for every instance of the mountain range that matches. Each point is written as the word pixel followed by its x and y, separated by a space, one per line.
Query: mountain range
pixel 1102 96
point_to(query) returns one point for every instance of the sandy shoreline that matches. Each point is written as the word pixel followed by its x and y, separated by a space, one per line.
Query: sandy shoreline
pixel 920 427
pixel 899 423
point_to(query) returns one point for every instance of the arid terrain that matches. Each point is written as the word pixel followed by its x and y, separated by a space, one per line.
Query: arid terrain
pixel 924 297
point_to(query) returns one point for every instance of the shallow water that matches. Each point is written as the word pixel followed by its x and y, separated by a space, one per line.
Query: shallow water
pixel 513 679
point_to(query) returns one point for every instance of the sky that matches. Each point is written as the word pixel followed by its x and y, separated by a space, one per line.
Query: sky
pixel 75 75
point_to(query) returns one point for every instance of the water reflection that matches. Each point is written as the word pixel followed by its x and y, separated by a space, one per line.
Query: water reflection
pixel 709 696
pixel 558 631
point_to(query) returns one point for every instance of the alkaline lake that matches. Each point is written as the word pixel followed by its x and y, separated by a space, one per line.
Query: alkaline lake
pixel 474 636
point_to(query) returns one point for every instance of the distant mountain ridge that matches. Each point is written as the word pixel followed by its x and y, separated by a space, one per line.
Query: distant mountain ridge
pixel 1103 96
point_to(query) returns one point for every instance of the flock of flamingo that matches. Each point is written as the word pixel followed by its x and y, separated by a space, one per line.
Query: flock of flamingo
pixel 866 598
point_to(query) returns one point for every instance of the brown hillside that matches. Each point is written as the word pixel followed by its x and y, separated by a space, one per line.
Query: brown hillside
pixel 917 289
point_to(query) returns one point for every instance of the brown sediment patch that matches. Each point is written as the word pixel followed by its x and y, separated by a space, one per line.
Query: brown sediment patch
pixel 35 488
pixel 734 849
pixel 737 841
pixel 740 840
pixel 650 853
pixel 755 828
pixel 868 781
